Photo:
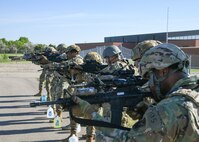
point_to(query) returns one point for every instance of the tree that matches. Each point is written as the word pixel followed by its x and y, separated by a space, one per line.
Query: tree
pixel 22 45
pixel 24 40
pixel 2 46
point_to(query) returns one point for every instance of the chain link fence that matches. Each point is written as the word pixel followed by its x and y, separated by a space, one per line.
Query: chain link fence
pixel 99 49
pixel 194 61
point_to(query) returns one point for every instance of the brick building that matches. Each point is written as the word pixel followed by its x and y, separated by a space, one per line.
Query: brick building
pixel 187 40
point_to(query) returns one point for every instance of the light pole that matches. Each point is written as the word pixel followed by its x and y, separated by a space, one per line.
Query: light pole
pixel 167 33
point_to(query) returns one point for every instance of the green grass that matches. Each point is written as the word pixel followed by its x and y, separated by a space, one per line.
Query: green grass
pixel 4 58
pixel 194 70
pixel 12 54
pixel 14 62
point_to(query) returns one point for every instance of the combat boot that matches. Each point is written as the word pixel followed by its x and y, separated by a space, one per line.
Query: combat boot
pixel 90 138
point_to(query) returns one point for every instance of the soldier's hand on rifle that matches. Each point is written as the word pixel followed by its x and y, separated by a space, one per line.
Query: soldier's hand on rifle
pixel 83 106
pixel 78 67
pixel 140 108
pixel 44 59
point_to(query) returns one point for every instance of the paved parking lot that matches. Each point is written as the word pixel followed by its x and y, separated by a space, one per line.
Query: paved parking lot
pixel 18 121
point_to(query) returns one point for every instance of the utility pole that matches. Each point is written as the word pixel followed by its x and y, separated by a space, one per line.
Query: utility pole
pixel 167 33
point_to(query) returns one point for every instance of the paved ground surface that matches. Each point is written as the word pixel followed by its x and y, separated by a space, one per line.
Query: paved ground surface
pixel 18 121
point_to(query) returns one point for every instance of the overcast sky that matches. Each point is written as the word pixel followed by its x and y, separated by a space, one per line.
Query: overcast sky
pixel 80 21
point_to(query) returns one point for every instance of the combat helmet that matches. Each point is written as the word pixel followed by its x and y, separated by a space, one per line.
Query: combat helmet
pixel 110 51
pixel 93 56
pixel 38 49
pixel 163 56
pixel 50 49
pixel 73 47
pixel 61 48
pixel 142 47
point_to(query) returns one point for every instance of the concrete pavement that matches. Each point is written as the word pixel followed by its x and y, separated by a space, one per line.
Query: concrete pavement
pixel 18 121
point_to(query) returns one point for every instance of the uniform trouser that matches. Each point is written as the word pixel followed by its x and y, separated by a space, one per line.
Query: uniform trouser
pixel 42 79
pixel 126 120
pixel 90 130
pixel 49 78
pixel 57 89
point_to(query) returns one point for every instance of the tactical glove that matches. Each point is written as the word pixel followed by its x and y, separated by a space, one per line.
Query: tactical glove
pixel 83 106
pixel 140 108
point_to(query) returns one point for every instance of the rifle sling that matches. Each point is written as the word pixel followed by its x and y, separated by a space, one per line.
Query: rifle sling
pixel 95 122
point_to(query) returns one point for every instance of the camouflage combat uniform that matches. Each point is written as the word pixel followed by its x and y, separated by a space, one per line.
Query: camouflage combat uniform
pixel 175 116
pixel 119 65
pixel 137 53
pixel 57 91
pixel 73 76
pixel 42 79
pixel 58 79
pixel 173 119
pixel 49 78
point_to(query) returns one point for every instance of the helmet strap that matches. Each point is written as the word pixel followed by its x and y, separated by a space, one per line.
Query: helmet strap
pixel 153 82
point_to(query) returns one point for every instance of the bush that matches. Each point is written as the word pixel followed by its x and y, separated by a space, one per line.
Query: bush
pixel 4 58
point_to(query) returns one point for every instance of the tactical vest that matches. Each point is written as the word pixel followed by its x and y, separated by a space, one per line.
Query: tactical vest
pixel 192 105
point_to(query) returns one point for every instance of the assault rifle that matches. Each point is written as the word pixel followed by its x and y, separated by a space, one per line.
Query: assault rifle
pixel 32 56
pixel 89 67
pixel 92 66
pixel 108 83
pixel 54 57
pixel 128 96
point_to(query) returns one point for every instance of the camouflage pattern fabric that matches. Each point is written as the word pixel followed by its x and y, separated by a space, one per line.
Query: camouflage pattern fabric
pixel 162 56
pixel 42 79
pixel 49 78
pixel 76 77
pixel 142 47
pixel 93 56
pixel 173 119
pixel 73 47
pixel 117 66
pixel 57 86
pixel 90 130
